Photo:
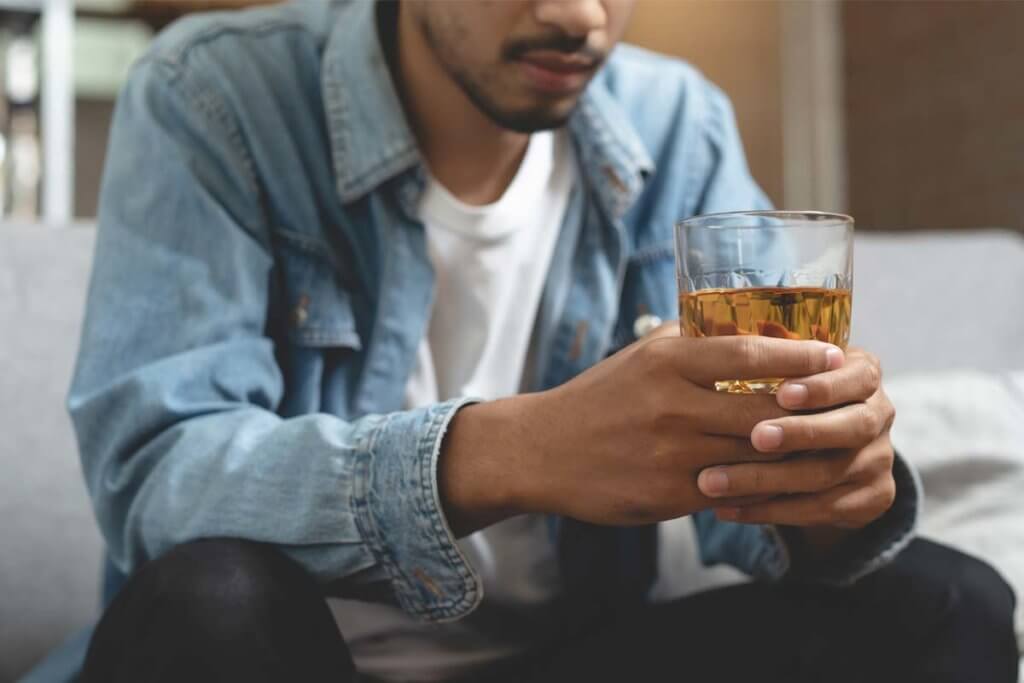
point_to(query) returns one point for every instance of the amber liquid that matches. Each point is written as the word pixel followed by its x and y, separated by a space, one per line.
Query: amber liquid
pixel 785 312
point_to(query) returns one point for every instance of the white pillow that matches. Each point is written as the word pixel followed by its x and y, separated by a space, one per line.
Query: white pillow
pixel 964 431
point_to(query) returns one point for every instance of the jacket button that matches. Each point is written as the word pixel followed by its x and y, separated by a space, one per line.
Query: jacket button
pixel 645 324
pixel 301 311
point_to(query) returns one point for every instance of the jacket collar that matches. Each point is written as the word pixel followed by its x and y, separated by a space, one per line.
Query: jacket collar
pixel 371 141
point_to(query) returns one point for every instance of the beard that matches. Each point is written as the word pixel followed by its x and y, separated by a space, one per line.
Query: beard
pixel 483 86
pixel 530 119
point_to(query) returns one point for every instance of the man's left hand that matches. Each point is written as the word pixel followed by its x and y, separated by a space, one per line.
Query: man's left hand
pixel 840 473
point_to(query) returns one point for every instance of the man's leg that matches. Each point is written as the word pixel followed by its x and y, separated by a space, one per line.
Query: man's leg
pixel 219 610
pixel 935 615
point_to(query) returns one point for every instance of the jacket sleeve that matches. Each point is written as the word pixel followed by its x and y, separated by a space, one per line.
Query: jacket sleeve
pixel 764 551
pixel 176 388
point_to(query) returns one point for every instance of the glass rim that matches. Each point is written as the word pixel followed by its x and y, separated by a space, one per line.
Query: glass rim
pixel 818 219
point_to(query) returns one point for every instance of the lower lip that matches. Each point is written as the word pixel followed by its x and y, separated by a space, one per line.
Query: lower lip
pixel 556 82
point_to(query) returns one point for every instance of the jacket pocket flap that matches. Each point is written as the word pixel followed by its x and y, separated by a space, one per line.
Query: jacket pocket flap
pixel 318 305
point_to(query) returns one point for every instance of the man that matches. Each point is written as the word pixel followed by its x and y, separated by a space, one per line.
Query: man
pixel 370 279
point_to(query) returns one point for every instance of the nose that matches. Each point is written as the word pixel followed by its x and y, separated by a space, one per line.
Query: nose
pixel 576 18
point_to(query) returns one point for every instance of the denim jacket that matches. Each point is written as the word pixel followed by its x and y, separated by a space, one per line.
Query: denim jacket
pixel 261 285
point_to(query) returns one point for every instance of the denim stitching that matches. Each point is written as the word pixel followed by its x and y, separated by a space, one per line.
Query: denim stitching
pixel 652 253
pixel 430 446
pixel 215 111
pixel 366 522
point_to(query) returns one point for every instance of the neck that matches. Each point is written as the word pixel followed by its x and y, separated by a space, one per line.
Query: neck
pixel 473 157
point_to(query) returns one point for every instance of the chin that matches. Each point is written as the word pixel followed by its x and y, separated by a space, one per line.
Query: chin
pixel 532 124
pixel 531 120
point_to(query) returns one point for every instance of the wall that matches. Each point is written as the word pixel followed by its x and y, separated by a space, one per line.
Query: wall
pixel 935 113
pixel 737 45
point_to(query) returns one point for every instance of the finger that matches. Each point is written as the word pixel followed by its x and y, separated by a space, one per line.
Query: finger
pixel 857 380
pixel 800 475
pixel 739 501
pixel 846 507
pixel 716 412
pixel 666 329
pixel 851 426
pixel 708 360
pixel 724 450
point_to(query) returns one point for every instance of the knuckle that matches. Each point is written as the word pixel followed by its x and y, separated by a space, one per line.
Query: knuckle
pixel 803 432
pixel 666 423
pixel 829 390
pixel 841 508
pixel 872 378
pixel 812 359
pixel 753 351
pixel 652 352
pixel 868 421
pixel 889 413
pixel 758 480
pixel 888 459
pixel 886 496
pixel 880 465
pixel 826 476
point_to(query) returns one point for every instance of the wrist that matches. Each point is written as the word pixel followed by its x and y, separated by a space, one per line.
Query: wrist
pixel 485 473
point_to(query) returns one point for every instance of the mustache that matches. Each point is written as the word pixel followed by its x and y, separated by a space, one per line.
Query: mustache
pixel 558 42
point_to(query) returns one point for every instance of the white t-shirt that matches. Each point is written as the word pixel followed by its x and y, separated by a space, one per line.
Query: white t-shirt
pixel 490 264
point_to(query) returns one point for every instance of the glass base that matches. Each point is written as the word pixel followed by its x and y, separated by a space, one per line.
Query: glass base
pixel 748 386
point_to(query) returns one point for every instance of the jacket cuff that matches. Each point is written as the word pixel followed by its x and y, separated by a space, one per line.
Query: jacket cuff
pixel 398 508
pixel 870 548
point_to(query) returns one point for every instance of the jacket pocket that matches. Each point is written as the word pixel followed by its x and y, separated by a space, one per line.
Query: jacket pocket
pixel 648 292
pixel 318 302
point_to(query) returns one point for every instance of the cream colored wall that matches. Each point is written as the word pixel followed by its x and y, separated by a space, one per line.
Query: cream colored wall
pixel 736 43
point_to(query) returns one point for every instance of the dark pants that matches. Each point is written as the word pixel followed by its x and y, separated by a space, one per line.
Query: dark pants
pixel 219 610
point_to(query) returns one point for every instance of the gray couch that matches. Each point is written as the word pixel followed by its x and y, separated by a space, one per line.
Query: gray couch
pixel 920 302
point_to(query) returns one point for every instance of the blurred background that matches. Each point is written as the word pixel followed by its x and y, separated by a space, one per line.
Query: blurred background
pixel 906 114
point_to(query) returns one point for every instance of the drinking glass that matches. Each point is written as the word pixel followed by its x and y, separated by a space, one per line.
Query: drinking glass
pixel 785 274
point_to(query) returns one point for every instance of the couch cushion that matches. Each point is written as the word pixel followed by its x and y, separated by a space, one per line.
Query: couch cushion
pixel 940 300
pixel 50 558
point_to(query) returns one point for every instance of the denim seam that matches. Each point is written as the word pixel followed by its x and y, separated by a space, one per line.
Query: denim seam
pixel 652 254
pixel 430 446
pixel 393 158
pixel 386 274
pixel 390 164
pixel 177 55
pixel 306 243
pixel 347 338
pixel 427 452
pixel 365 520
pixel 215 111
pixel 703 121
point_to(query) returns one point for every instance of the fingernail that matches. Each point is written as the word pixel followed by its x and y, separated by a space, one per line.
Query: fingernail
pixel 713 482
pixel 834 358
pixel 766 437
pixel 792 394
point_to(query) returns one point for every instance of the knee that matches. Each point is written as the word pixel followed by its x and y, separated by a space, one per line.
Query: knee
pixel 219 569
pixel 216 586
pixel 980 596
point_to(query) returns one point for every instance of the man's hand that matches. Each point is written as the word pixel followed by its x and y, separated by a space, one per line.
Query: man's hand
pixel 623 443
pixel 838 466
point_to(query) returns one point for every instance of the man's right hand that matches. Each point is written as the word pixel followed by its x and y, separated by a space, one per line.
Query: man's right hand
pixel 624 442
